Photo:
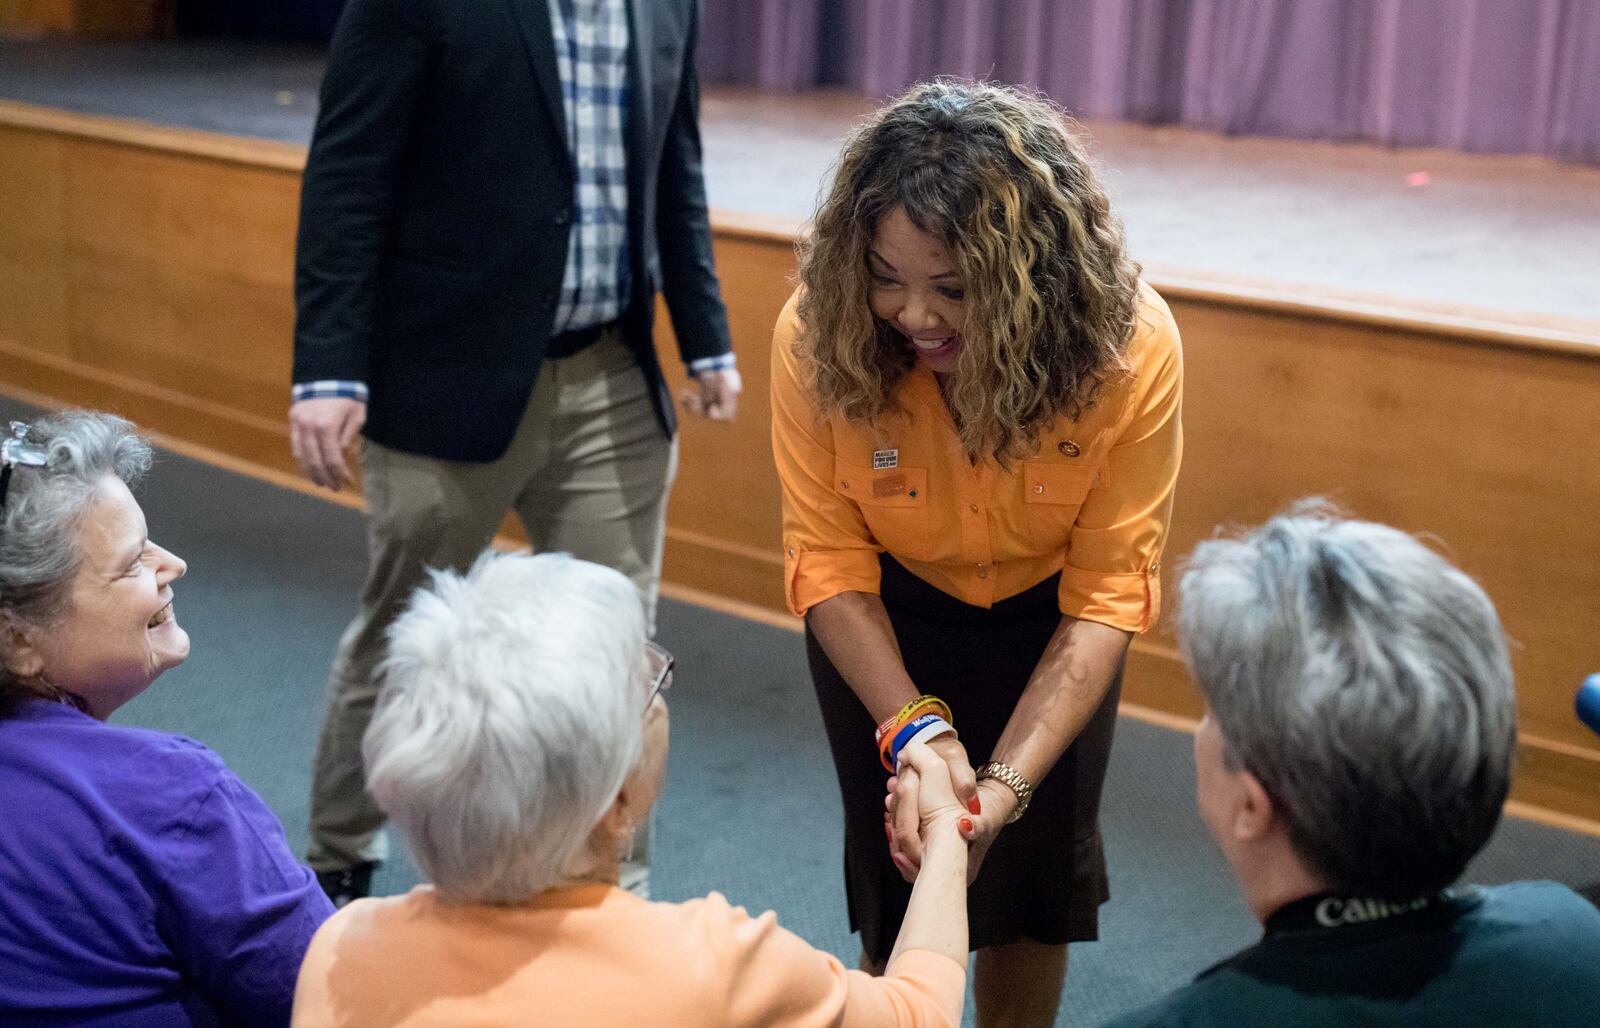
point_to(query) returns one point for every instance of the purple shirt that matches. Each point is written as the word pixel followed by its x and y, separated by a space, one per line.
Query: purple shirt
pixel 141 883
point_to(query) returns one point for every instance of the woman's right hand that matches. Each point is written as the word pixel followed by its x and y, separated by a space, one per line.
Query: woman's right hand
pixel 930 811
pixel 963 780
pixel 924 802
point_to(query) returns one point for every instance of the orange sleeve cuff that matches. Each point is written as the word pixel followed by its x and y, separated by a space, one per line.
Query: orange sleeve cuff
pixel 811 577
pixel 1130 602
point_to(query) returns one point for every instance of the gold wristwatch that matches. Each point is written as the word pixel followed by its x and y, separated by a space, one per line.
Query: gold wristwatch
pixel 1007 776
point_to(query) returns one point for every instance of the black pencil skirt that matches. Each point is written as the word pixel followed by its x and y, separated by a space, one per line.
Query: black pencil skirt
pixel 1045 877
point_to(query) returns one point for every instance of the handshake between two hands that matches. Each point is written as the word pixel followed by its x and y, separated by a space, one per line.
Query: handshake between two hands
pixel 934 791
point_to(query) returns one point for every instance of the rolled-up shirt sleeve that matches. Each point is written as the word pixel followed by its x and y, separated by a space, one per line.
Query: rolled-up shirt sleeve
pixel 1113 563
pixel 827 547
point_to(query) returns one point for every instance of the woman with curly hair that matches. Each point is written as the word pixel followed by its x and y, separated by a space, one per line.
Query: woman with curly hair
pixel 976 426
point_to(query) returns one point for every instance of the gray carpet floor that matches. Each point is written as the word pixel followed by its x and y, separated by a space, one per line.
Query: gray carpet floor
pixel 750 807
pixel 1510 238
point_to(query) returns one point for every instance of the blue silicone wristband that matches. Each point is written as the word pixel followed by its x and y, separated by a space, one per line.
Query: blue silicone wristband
pixel 909 729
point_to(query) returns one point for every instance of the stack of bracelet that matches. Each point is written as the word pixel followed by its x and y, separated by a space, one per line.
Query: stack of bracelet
pixel 924 718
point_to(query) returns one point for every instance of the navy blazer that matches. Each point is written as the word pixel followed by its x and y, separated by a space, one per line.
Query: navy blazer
pixel 435 209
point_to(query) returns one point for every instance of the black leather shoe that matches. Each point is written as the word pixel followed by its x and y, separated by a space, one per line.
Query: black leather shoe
pixel 346 884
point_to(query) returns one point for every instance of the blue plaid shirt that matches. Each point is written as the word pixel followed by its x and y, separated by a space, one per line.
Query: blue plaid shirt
pixel 591 38
pixel 592 59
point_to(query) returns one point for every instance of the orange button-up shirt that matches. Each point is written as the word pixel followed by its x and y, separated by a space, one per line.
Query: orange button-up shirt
pixel 1093 502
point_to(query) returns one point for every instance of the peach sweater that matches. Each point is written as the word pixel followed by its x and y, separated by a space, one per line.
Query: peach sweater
pixel 596 955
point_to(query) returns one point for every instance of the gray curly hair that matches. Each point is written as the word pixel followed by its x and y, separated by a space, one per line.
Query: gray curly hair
pixel 43 513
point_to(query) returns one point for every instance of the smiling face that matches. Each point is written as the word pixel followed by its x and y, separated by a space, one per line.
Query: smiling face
pixel 917 290
pixel 120 630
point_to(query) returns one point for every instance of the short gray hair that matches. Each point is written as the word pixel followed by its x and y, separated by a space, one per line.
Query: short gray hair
pixel 510 713
pixel 1365 681
pixel 44 508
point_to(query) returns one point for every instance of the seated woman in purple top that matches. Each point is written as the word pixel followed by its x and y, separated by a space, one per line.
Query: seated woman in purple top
pixel 141 883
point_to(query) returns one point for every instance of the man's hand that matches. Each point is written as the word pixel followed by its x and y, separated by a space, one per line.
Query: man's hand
pixel 320 431
pixel 717 395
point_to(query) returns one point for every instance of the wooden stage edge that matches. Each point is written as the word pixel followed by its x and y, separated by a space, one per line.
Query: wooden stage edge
pixel 148 271
pixel 1547 333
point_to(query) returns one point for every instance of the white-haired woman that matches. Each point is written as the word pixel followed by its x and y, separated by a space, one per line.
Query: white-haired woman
pixel 141 883
pixel 520 737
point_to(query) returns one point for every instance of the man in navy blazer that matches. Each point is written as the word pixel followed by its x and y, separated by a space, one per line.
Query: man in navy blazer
pixel 495 193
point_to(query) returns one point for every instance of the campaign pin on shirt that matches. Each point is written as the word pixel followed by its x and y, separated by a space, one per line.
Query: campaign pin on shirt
pixel 882 460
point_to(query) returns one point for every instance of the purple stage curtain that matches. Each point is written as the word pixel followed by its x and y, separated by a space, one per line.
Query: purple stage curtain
pixel 769 44
pixel 1500 76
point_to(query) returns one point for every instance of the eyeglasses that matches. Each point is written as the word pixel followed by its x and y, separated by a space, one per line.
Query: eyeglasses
pixel 661 664
pixel 17 450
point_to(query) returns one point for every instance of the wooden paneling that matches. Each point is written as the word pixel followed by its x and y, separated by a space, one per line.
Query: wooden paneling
pixel 1490 448
pixel 181 272
pixel 33 278
pixel 722 527
pixel 149 270
pixel 126 19
pixel 102 19
pixel 31 17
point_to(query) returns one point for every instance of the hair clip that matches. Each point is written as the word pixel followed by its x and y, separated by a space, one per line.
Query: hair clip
pixel 17 451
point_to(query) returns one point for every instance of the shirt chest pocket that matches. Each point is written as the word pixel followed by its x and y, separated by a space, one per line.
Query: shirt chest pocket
pixel 1052 495
pixel 894 503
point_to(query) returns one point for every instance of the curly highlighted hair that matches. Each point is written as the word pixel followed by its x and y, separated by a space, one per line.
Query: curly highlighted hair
pixel 999 176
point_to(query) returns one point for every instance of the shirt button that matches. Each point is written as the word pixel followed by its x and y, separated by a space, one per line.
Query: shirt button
pixel 844 485
pixel 983 572
pixel 1070 448
pixel 973 507
pixel 1038 488
pixel 791 551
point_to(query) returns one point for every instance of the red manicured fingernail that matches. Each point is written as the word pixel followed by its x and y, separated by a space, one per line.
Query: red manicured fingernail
pixel 966 825
pixel 975 805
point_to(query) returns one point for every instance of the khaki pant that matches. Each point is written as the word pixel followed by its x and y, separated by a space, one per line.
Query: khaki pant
pixel 588 472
